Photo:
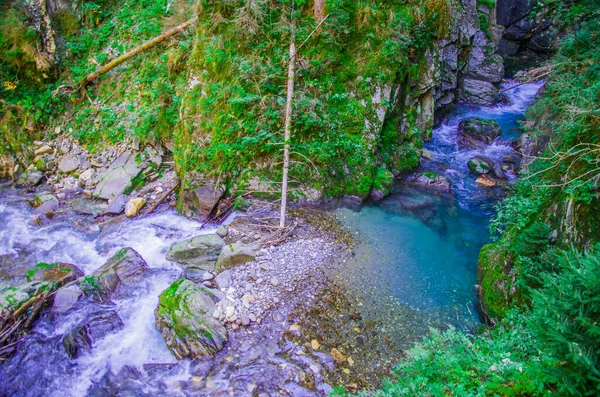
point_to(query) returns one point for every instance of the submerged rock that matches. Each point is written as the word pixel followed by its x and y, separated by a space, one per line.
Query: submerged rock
pixel 123 270
pixel 198 253
pixel 95 327
pixel 184 318
pixel 44 204
pixel 235 254
pixel 30 178
pixel 88 206
pixel 477 132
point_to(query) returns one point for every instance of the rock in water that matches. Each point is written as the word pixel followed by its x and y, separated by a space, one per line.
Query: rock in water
pixel 480 165
pixel 486 181
pixel 89 206
pixel 235 254
pixel 123 270
pixel 184 318
pixel 30 178
pixel 477 132
pixel 58 273
pixel 118 178
pixel 433 180
pixel 44 204
pixel 133 206
pixel 65 298
pixel 116 205
pixel 197 254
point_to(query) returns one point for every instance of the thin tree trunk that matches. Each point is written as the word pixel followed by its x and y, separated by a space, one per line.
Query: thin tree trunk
pixel 148 44
pixel 287 132
pixel 318 9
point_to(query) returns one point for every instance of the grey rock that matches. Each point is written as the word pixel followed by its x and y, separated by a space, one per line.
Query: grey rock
pixel 118 177
pixel 65 298
pixel 184 318
pixel 433 180
pixel 120 273
pixel 511 11
pixel 30 178
pixel 222 231
pixel 47 208
pixel 116 205
pixel 235 254
pixel 200 202
pixel 88 206
pixel 224 280
pixel 199 253
pixel 68 164
pixel 479 92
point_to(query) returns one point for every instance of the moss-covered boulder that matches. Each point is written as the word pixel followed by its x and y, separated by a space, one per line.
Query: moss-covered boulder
pixel 477 132
pixel 122 271
pixel 497 281
pixel 58 273
pixel 184 318
pixel 480 165
pixel 197 254
pixel 432 180
pixel 235 254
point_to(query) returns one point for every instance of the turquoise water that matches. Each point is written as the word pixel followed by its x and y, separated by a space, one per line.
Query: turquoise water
pixel 415 264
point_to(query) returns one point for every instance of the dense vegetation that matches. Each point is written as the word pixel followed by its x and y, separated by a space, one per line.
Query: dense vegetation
pixel 211 97
pixel 543 281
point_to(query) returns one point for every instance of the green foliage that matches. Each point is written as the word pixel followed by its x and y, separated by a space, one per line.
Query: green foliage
pixel 566 318
pixel 40 266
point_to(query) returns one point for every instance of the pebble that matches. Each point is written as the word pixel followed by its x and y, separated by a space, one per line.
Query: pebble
pixel 274 281
pixel 338 356
pixel 278 317
pixel 245 319
pixel 230 311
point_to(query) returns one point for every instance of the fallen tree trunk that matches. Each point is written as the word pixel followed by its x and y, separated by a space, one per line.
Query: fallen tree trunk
pixel 148 44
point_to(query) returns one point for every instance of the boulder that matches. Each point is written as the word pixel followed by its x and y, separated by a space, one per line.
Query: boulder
pixel 88 206
pixel 133 206
pixel 57 273
pixel 197 254
pixel 65 298
pixel 483 64
pixel 477 132
pixel 119 273
pixel 511 11
pixel 45 149
pixel 87 175
pixel 224 280
pixel 42 198
pixel 68 164
pixel 480 165
pixel 432 180
pixel 116 205
pixel 184 317
pixel 30 178
pixel 200 202
pixel 235 254
pixel 479 92
pixel 118 178
pixel 95 327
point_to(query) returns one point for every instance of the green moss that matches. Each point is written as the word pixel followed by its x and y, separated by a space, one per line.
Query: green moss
pixel 497 276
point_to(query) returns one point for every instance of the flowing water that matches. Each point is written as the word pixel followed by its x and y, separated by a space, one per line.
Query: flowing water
pixel 414 267
pixel 416 264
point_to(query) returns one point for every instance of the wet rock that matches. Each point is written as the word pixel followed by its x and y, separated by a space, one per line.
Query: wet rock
pixel 486 181
pixel 118 178
pixel 235 254
pixel 184 318
pixel 89 206
pixel 116 205
pixel 120 272
pixel 65 298
pixel 498 171
pixel 95 327
pixel 57 273
pixel 477 132
pixel 41 199
pixel 200 202
pixel 222 231
pixel 133 206
pixel 433 180
pixel 44 204
pixel 68 164
pixel 200 252
pixel 30 178
pixel 480 165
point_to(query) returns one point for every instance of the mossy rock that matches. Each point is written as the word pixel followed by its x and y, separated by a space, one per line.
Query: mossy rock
pixel 478 132
pixel 184 318
pixel 480 165
pixel 497 281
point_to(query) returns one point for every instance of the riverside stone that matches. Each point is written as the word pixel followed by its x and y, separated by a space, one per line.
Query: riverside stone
pixel 65 298
pixel 198 253
pixel 200 202
pixel 235 254
pixel 480 165
pixel 184 318
pixel 68 164
pixel 116 205
pixel 30 178
pixel 118 177
pixel 133 206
